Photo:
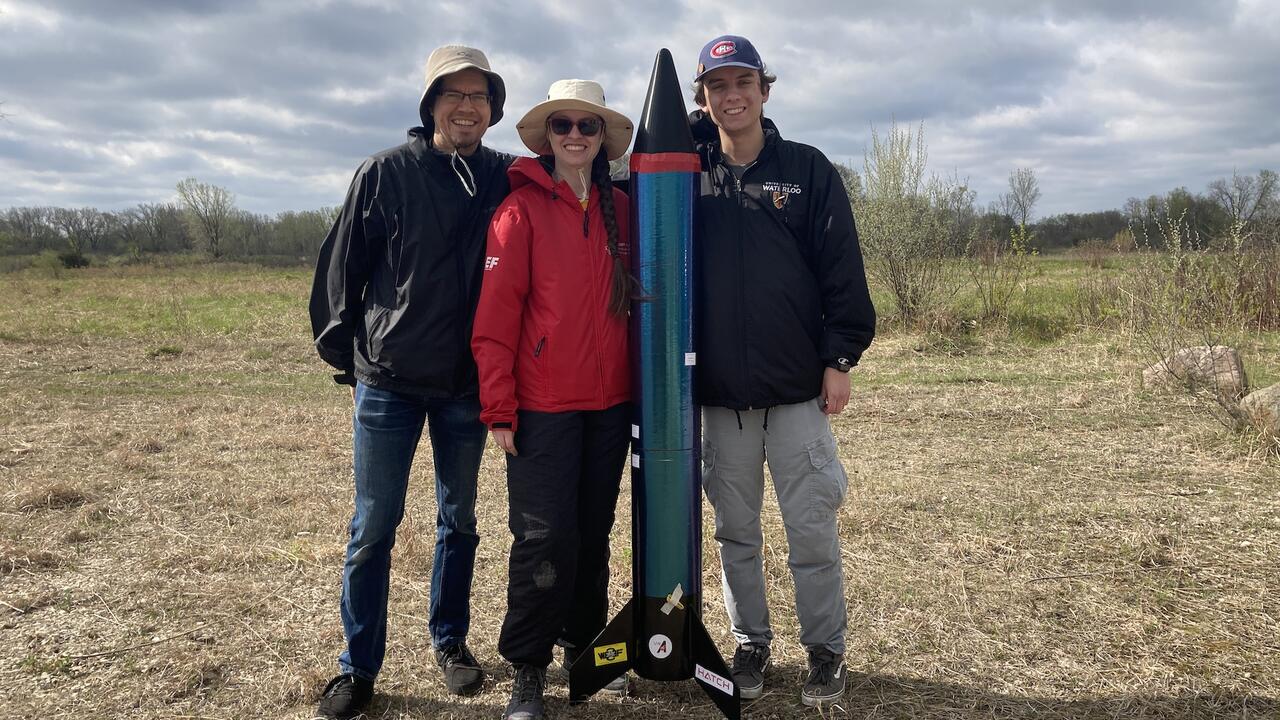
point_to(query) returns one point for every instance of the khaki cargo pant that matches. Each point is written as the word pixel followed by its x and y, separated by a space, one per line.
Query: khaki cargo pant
pixel 810 484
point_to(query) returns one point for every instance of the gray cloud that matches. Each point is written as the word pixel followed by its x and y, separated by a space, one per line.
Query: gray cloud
pixel 111 104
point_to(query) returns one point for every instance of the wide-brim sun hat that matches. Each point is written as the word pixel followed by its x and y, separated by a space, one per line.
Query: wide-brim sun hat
pixel 449 59
pixel 584 95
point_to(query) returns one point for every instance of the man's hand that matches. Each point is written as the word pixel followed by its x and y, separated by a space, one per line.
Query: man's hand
pixel 506 439
pixel 835 391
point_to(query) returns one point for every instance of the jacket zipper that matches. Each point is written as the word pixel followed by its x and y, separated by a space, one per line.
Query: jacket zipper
pixel 538 350
pixel 742 269
pixel 595 332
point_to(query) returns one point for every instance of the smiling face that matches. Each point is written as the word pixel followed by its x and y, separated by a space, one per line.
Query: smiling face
pixel 734 99
pixel 460 124
pixel 575 151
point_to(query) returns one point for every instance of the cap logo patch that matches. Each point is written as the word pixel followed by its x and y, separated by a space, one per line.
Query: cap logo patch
pixel 724 49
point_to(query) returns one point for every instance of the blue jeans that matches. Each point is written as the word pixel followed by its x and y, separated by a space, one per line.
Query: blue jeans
pixel 387 426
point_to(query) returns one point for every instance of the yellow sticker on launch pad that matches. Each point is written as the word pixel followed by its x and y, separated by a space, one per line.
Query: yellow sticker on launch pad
pixel 610 654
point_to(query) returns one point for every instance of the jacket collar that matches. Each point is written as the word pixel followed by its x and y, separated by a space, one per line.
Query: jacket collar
pixel 422 147
pixel 535 171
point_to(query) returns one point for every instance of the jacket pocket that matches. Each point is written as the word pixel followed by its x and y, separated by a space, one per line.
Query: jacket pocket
pixel 542 368
pixel 375 326
pixel 827 481
pixel 709 484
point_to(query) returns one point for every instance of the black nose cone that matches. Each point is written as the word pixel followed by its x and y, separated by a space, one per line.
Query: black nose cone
pixel 664 124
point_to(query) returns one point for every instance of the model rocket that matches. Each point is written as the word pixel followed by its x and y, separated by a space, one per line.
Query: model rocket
pixel 659 632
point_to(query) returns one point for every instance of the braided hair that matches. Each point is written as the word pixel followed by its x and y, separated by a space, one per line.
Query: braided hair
pixel 624 285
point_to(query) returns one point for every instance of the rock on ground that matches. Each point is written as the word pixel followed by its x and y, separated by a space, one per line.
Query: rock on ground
pixel 1214 366
pixel 1263 409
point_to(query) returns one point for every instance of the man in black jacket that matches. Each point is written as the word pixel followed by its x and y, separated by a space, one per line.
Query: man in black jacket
pixel 392 304
pixel 783 315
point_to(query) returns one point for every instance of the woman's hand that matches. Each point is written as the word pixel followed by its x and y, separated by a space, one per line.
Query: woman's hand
pixel 505 439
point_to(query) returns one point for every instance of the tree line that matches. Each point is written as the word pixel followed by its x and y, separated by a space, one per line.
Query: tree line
pixel 925 236
pixel 202 220
pixel 899 209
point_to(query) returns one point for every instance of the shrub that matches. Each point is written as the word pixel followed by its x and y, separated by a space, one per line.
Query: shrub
pixel 73 259
pixel 998 266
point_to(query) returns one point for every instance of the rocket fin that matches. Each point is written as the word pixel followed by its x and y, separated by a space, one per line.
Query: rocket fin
pixel 607 657
pixel 712 674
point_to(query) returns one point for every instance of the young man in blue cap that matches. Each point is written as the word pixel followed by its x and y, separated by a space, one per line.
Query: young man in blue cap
pixel 783 315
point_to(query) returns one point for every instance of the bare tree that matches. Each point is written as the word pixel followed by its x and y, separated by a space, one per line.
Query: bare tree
pixel 82 228
pixel 129 225
pixel 32 224
pixel 1024 193
pixel 164 226
pixel 210 209
pixel 1246 198
pixel 250 233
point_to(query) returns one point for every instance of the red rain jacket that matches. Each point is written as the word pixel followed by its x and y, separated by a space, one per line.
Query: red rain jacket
pixel 544 339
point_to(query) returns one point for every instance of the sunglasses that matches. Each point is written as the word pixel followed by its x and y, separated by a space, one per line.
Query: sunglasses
pixel 589 127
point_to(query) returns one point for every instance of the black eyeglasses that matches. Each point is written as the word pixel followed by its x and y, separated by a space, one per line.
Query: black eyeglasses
pixel 589 127
pixel 454 97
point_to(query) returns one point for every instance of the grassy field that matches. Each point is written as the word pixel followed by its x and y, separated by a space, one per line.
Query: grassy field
pixel 1028 533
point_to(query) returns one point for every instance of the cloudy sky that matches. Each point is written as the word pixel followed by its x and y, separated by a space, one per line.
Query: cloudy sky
pixel 111 103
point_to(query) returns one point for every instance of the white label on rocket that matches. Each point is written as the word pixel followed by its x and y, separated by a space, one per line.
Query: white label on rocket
pixel 660 646
pixel 691 358
pixel 673 600
pixel 712 679
pixel 635 431
pixel 635 460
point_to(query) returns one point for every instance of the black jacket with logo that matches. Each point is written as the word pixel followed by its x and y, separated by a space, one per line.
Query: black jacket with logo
pixel 781 290
pixel 398 276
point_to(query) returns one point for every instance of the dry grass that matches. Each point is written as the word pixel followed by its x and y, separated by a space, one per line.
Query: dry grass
pixel 1027 535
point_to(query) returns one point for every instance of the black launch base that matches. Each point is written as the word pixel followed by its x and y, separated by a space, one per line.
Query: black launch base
pixel 656 645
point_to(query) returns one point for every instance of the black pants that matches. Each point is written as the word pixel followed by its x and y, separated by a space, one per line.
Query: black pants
pixel 562 489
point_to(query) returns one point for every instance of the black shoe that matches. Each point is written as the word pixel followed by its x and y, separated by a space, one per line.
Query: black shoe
pixel 462 674
pixel 526 694
pixel 616 686
pixel 826 678
pixel 749 663
pixel 345 697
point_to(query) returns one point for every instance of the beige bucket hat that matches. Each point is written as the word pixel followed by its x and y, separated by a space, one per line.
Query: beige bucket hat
pixel 449 59
pixel 585 95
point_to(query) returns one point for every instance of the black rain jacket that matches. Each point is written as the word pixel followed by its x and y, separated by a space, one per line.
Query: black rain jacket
pixel 398 276
pixel 781 290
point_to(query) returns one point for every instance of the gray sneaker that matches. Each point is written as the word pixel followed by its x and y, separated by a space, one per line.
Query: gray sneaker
pixel 750 661
pixel 826 678
pixel 526 694
pixel 616 686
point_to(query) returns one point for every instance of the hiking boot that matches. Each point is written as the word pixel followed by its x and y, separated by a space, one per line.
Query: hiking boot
pixel 462 674
pixel 345 697
pixel 616 686
pixel 826 678
pixel 749 663
pixel 526 694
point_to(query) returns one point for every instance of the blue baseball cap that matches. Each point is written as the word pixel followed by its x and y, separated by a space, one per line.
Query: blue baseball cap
pixel 728 51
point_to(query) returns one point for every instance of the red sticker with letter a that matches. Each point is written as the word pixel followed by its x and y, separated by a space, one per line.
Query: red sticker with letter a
pixel 724 49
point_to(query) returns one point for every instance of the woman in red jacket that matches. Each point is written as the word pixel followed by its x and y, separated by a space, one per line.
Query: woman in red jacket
pixel 551 344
